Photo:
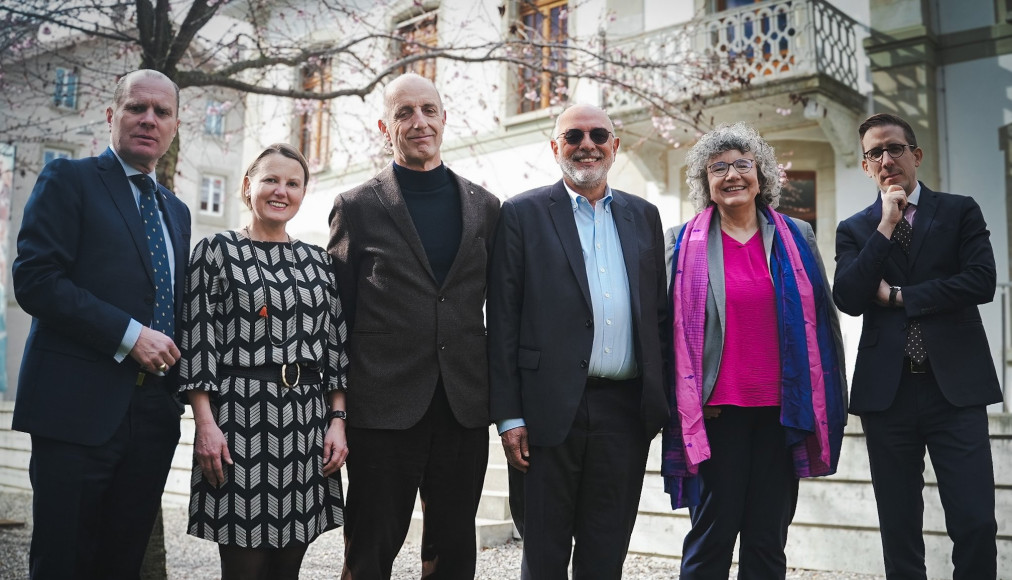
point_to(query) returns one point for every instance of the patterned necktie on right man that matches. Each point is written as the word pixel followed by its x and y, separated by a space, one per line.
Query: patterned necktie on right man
pixel 163 320
pixel 914 347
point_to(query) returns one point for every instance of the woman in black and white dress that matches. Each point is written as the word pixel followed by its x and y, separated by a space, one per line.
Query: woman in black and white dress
pixel 264 366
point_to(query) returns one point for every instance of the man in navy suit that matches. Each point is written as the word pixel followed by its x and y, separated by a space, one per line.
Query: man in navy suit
pixel 916 263
pixel 101 260
pixel 577 315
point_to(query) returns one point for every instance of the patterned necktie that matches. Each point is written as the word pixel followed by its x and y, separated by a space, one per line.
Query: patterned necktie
pixel 903 235
pixel 163 320
pixel 914 347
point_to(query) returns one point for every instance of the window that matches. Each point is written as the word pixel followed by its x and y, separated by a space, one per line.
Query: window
pixel 212 194
pixel 762 38
pixel 722 5
pixel 1003 10
pixel 65 90
pixel 214 118
pixel 416 35
pixel 544 22
pixel 314 115
pixel 50 153
pixel 797 198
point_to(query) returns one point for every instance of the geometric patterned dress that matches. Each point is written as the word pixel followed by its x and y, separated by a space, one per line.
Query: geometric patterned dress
pixel 274 494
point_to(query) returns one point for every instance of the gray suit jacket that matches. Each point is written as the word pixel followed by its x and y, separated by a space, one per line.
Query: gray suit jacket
pixel 406 330
pixel 716 315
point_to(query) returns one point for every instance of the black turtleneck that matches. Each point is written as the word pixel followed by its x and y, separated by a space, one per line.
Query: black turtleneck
pixel 434 204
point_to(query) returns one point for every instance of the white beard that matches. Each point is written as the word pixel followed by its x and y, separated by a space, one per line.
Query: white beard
pixel 585 176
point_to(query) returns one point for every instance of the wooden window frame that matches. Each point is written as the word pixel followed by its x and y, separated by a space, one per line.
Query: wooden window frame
pixel 554 24
pixel 811 216
pixel 415 33
pixel 314 122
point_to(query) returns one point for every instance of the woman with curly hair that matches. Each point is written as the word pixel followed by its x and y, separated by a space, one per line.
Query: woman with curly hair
pixel 758 390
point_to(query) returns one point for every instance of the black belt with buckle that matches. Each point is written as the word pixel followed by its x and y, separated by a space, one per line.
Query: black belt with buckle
pixel 288 374
pixel 149 380
pixel 603 382
pixel 916 368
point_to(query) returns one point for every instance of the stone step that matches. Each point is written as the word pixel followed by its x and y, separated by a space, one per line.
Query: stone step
pixel 494 505
pixel 497 478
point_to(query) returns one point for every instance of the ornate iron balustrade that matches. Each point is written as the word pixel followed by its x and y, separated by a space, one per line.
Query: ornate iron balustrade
pixel 751 45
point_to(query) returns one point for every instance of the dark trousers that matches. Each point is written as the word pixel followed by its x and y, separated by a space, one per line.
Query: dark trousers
pixel 438 459
pixel 94 507
pixel 587 488
pixel 747 487
pixel 957 439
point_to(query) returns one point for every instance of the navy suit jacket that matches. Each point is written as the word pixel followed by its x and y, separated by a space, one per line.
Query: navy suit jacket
pixel 540 317
pixel 950 270
pixel 83 270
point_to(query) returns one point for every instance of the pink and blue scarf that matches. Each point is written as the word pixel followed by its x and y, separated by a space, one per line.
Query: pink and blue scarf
pixel 812 409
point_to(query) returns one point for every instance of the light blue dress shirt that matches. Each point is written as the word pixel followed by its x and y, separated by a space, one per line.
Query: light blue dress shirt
pixel 612 355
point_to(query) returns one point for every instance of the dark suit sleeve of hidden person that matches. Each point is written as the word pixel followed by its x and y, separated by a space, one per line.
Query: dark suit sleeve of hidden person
pixel 954 268
pixel 70 293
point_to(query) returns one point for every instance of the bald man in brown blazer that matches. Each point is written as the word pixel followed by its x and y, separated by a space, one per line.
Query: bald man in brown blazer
pixel 410 248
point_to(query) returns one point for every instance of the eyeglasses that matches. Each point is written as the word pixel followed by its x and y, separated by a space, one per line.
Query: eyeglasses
pixel 575 136
pixel 896 150
pixel 719 169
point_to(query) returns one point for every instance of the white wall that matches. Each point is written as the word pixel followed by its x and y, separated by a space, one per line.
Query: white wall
pixel 663 13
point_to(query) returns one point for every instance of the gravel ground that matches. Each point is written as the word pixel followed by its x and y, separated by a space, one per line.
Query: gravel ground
pixel 190 558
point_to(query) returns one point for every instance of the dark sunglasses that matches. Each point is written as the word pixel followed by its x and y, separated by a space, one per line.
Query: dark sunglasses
pixel 575 136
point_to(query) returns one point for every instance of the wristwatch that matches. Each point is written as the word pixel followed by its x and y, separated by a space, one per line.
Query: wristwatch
pixel 337 415
pixel 892 295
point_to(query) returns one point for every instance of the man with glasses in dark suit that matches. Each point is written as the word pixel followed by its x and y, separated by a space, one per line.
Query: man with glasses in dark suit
pixel 916 264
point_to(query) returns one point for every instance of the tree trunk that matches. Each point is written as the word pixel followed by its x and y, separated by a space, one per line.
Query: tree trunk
pixel 153 567
pixel 166 167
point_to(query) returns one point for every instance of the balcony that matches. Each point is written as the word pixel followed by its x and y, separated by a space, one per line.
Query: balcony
pixel 778 46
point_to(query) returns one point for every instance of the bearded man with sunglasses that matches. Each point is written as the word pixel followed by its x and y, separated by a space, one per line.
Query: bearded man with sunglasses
pixel 916 264
pixel 576 318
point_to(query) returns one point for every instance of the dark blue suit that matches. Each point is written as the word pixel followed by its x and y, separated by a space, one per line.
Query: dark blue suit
pixel 83 271
pixel 949 271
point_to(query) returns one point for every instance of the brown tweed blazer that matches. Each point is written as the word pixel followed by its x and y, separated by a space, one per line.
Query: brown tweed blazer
pixel 405 330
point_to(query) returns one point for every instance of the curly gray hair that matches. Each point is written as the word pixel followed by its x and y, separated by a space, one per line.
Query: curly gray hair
pixel 738 137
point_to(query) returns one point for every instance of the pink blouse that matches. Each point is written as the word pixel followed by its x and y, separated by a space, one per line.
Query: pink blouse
pixel 749 373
